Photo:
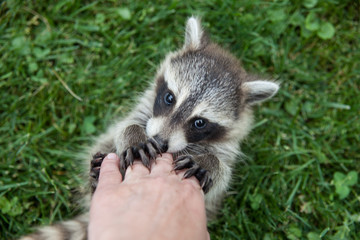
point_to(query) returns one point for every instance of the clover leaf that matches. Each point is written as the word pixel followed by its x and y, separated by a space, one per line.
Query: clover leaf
pixel 343 183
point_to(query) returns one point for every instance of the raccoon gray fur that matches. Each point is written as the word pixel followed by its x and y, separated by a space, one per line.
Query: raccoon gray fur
pixel 198 108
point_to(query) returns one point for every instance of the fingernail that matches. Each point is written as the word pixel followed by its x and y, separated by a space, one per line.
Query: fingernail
pixel 112 156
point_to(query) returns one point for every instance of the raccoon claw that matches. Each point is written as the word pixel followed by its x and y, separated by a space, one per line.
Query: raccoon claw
pixel 145 151
pixel 183 162
pixel 202 175
pixel 153 148
pixel 95 169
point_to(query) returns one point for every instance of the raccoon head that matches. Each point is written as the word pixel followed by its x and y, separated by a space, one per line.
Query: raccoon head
pixel 203 96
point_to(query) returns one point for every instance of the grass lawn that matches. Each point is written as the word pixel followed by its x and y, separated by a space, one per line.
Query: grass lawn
pixel 67 68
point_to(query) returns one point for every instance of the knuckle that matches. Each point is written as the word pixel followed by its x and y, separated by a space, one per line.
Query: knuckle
pixel 161 181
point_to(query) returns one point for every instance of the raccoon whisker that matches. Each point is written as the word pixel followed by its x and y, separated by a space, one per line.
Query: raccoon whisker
pixel 196 148
pixel 186 152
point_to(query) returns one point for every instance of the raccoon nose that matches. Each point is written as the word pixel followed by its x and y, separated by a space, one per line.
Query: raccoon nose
pixel 162 143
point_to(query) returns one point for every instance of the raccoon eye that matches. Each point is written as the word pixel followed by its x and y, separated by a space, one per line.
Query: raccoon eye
pixel 199 123
pixel 169 98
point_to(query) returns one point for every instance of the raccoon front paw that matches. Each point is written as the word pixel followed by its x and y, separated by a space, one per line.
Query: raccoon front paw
pixel 95 169
pixel 193 169
pixel 144 151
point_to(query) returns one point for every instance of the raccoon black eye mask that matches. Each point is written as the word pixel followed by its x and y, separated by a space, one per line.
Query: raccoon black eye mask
pixel 198 108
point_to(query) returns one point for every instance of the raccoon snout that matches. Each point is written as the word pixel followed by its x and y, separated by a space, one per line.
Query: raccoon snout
pixel 162 143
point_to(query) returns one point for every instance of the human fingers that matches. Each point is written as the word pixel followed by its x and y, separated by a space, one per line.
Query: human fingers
pixel 162 165
pixel 109 171
pixel 136 170
pixel 191 180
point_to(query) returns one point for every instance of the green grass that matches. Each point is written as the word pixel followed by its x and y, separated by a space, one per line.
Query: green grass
pixel 107 51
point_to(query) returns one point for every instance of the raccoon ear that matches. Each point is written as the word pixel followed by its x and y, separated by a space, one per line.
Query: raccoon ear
pixel 194 34
pixel 259 91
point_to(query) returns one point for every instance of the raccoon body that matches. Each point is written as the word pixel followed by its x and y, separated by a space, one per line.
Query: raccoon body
pixel 198 108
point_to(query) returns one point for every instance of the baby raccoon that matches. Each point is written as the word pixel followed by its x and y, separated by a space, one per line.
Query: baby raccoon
pixel 198 108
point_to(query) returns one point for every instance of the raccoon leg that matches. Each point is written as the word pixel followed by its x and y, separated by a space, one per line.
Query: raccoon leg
pixel 95 169
pixel 137 146
pixel 146 151
pixel 194 168
pixel 133 144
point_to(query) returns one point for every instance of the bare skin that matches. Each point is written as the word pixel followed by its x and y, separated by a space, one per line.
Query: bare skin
pixel 146 205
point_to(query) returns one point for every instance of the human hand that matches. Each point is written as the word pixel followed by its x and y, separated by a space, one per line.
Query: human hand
pixel 146 205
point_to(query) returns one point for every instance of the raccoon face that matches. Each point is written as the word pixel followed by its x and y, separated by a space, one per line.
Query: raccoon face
pixel 201 94
pixel 181 116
